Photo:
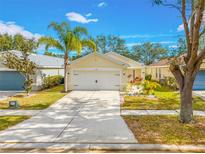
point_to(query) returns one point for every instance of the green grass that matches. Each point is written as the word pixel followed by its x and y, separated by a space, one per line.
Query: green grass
pixel 164 101
pixel 166 130
pixel 38 101
pixel 8 121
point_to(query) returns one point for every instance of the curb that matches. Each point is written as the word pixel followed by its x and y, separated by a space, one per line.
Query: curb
pixel 100 147
pixel 157 112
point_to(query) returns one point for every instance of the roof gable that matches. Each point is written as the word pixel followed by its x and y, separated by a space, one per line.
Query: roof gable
pixel 128 61
pixel 100 56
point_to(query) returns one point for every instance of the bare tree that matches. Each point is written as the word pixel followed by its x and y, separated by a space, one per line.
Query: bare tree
pixel 192 15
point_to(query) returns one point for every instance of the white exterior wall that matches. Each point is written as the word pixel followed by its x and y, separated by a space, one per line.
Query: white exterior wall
pixel 94 62
pixel 4 68
pixel 44 72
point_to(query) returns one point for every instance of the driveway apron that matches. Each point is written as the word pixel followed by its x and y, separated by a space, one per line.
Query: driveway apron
pixel 79 117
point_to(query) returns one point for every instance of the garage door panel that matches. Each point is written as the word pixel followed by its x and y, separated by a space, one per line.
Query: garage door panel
pixel 199 83
pixel 11 80
pixel 96 80
pixel 108 80
pixel 83 80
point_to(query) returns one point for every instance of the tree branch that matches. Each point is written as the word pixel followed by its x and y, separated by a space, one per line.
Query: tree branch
pixel 192 21
pixel 186 29
pixel 201 55
pixel 202 32
pixel 198 63
pixel 172 6
pixel 176 71
pixel 196 32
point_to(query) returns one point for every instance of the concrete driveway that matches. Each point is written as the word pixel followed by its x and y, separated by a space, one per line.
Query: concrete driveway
pixel 79 117
pixel 6 94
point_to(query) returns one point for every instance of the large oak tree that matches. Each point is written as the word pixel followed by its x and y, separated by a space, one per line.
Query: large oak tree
pixel 186 68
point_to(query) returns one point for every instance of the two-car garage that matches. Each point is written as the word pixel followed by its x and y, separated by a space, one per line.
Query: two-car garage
pixel 96 80
pixel 97 72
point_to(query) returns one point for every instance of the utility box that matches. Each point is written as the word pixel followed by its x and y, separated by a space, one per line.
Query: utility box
pixel 13 105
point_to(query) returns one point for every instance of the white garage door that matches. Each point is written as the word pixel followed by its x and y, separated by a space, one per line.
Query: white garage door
pixel 96 80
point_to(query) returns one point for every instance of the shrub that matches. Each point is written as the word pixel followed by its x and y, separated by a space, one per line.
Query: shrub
pixel 51 81
pixel 134 89
pixel 169 82
pixel 148 77
pixel 128 87
pixel 149 86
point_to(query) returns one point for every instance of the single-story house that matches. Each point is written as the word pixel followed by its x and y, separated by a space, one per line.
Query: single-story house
pixel 11 79
pixel 160 70
pixel 109 71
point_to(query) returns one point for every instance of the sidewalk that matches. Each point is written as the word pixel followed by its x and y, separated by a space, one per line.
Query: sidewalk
pixel 16 112
pixel 157 112
pixel 86 147
pixel 7 112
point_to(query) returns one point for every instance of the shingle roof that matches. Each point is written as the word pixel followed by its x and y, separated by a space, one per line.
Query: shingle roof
pixel 162 62
pixel 43 61
pixel 166 61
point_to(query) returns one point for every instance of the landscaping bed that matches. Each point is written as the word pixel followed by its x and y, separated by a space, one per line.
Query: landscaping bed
pixel 164 101
pixel 166 130
pixel 8 121
pixel 38 101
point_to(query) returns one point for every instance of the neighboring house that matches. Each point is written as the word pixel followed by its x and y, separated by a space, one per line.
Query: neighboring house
pixel 160 70
pixel 46 66
pixel 97 71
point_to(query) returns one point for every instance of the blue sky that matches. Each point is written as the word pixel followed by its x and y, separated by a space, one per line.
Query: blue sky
pixel 137 21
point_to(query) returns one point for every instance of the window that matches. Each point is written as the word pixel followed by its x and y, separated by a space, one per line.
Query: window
pixel 160 75
pixel 156 73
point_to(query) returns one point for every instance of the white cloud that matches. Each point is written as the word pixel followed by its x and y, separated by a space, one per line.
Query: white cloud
pixel 145 36
pixel 73 16
pixel 88 15
pixel 102 4
pixel 11 28
pixel 162 42
pixel 180 28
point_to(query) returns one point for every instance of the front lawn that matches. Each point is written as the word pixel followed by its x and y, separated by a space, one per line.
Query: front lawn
pixel 8 121
pixel 166 130
pixel 164 101
pixel 38 101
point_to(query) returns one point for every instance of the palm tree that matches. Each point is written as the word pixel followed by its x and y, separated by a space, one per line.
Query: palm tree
pixel 68 40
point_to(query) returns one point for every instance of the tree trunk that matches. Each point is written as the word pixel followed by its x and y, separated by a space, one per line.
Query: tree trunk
pixel 186 111
pixel 66 72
